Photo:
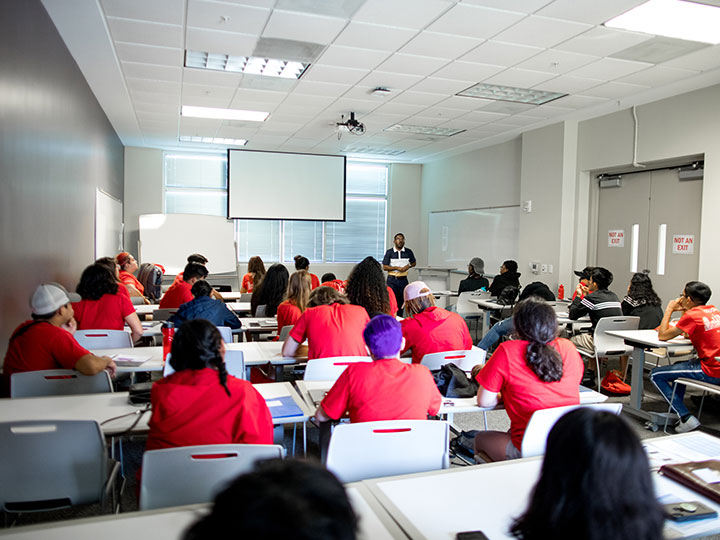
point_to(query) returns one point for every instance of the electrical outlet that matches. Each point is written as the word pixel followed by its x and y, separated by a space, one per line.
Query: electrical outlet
pixel 543 268
pixel 535 267
pixel 550 268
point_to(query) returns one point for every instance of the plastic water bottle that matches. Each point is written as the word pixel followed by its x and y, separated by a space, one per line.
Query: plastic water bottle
pixel 168 333
pixel 561 292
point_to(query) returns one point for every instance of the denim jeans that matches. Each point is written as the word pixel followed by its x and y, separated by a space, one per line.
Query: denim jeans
pixel 497 331
pixel 663 378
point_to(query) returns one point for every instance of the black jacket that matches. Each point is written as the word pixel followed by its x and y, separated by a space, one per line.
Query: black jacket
pixel 503 280
pixel 650 316
pixel 599 304
pixel 473 283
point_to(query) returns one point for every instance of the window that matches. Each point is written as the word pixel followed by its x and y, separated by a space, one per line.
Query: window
pixel 195 184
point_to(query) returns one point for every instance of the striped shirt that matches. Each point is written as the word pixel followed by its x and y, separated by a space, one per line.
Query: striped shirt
pixel 598 304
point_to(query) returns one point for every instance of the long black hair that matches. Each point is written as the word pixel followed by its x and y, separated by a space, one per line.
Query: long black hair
pixel 641 290
pixel 96 281
pixel 366 287
pixel 595 484
pixel 197 345
pixel 535 321
pixel 271 290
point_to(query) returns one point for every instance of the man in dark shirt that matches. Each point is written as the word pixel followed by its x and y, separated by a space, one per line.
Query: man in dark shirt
pixel 508 277
pixel 475 279
pixel 403 259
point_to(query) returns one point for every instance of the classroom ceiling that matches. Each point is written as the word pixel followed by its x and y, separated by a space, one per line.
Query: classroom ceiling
pixel 424 52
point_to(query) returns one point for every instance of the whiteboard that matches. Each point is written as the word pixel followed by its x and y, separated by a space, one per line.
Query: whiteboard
pixel 108 225
pixel 455 237
pixel 168 239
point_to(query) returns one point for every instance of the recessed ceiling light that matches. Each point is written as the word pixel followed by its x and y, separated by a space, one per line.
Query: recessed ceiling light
pixel 223 114
pixel 424 130
pixel 510 93
pixel 213 140
pixel 373 150
pixel 672 18
pixel 251 65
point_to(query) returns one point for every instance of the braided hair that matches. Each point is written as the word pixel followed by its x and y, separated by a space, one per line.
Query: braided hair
pixel 198 344
pixel 535 321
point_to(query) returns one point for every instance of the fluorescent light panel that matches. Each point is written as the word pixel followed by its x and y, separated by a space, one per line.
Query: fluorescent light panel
pixel 672 18
pixel 223 114
pixel 510 93
pixel 424 130
pixel 214 140
pixel 252 65
pixel 373 150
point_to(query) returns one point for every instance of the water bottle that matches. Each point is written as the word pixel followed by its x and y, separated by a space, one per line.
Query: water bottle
pixel 168 332
pixel 561 292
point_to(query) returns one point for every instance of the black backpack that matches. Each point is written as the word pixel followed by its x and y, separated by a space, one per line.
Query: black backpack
pixel 508 295
pixel 150 276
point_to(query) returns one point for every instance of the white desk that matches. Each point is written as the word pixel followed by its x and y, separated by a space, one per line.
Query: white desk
pixel 488 305
pixel 231 296
pixel 149 309
pixel 640 341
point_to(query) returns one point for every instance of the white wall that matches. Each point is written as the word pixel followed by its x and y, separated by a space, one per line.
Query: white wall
pixel 143 190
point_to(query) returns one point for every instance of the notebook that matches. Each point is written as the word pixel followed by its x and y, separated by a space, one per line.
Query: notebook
pixel 130 360
pixel 283 407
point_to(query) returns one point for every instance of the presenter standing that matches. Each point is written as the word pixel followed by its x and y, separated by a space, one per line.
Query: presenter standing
pixel 397 261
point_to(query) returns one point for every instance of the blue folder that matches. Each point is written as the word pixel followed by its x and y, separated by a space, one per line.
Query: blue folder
pixel 285 408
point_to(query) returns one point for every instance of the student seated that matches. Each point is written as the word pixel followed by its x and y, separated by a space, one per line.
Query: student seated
pixel 200 403
pixel 200 259
pixel 701 324
pixel 475 279
pixel 366 287
pixel 278 500
pixel 384 389
pixel 595 483
pixel 330 280
pixel 180 292
pixel 271 291
pixel 204 307
pixel 46 342
pixel 114 268
pixel 536 371
pixel 296 300
pixel 332 326
pixel 102 306
pixel 255 274
pixel 428 328
pixel 302 263
pixel 642 301
pixel 128 267
pixel 584 276
pixel 508 277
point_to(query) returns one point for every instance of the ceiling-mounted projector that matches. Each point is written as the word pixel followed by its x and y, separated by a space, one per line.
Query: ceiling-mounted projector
pixel 353 125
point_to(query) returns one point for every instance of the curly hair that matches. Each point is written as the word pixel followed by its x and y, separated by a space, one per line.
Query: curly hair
pixel 641 290
pixel 535 321
pixel 96 281
pixel 366 287
pixel 197 344
pixel 326 296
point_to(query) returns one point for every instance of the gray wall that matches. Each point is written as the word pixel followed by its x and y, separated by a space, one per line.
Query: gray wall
pixel 56 148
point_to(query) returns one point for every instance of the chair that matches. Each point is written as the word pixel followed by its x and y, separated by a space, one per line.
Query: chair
pixel 47 465
pixel 706 388
pixel 465 360
pixel 260 310
pixel 285 332
pixel 195 474
pixel 245 297
pixel 226 333
pixel 543 420
pixel 163 314
pixel 466 309
pixel 58 382
pixel 607 345
pixel 373 449
pixel 234 364
pixel 329 369
pixel 103 339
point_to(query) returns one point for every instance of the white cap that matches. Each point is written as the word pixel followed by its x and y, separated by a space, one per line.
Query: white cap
pixel 49 297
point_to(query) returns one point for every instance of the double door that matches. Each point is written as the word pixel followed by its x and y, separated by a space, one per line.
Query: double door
pixel 652 221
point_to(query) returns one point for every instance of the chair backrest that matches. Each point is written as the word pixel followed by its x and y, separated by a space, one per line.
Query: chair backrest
pixel 285 332
pixel 234 364
pixel 260 310
pixel 103 339
pixel 245 297
pixel 607 345
pixel 373 449
pixel 465 360
pixel 465 307
pixel 163 314
pixel 329 369
pixel 195 474
pixel 51 464
pixel 543 420
pixel 58 382
pixel 226 333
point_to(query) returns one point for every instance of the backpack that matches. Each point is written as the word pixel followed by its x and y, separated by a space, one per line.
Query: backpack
pixel 613 384
pixel 508 295
pixel 150 276
pixel 453 382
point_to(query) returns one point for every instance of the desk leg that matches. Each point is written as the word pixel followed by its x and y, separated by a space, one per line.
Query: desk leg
pixel 486 323
pixel 325 432
pixel 634 408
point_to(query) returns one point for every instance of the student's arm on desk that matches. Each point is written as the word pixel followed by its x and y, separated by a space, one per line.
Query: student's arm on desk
pixel 290 347
pixel 321 415
pixel 90 364
pixel 133 321
pixel 665 330
pixel 486 398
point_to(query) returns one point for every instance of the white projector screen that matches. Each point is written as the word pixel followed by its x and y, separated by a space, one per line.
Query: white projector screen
pixel 280 185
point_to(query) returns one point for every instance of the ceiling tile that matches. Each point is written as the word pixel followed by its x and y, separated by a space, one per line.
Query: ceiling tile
pixel 437 85
pixel 418 120
pixel 467 71
pixel 201 39
pixel 162 56
pixel 609 69
pixel 485 117
pixel 418 98
pixel 411 65
pixel 464 102
pixel 602 41
pixel 303 27
pixel 566 84
pixel 147 85
pixel 333 74
pixel 226 17
pixel 541 31
pixel 404 13
pixel 703 60
pixel 239 102
pixel 151 98
pixel 578 102
pixel 507 107
pixel 146 33
pixel 588 12
pixel 205 101
pixel 167 108
pixel 501 54
pixel 351 57
pixel 474 21
pixel 522 6
pixel 399 108
pixel 211 77
pixel 518 120
pixel 393 81
pixel 556 61
pixel 363 92
pixel 148 71
pixel 438 45
pixel 548 111
pixel 361 107
pixel 374 36
pixel 614 90
pixel 212 92
pixel 521 78
pixel 321 88
pixel 445 112
pixel 162 11
pixel 657 76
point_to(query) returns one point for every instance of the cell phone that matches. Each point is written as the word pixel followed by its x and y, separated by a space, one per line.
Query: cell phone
pixel 689 511
pixel 471 535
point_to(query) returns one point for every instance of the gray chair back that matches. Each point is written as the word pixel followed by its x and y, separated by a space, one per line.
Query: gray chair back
pixel 58 382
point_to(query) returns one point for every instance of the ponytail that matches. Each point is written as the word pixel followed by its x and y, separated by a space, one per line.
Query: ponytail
pixel 197 345
pixel 535 322
pixel 219 364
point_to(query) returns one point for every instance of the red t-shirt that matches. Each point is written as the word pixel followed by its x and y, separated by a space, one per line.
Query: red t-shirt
pixel 337 284
pixel 42 346
pixel 107 313
pixel 128 279
pixel 176 295
pixel 435 330
pixel 383 390
pixel 314 281
pixel 287 314
pixel 190 407
pixel 702 325
pixel 335 330
pixel 393 302
pixel 178 279
pixel 123 290
pixel 522 392
pixel 247 282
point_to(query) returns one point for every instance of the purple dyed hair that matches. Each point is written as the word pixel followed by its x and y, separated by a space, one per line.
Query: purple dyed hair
pixel 383 336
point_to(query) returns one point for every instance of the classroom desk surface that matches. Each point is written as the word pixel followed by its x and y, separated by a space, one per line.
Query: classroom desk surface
pixel 237 307
pixel 249 324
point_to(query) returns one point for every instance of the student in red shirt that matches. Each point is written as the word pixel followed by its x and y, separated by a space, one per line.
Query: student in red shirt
pixel 179 293
pixel 255 274
pixel 114 268
pixel 366 287
pixel 200 259
pixel 302 263
pixel 384 389
pixel 332 326
pixel 296 299
pixel 46 342
pixel 536 371
pixel 102 306
pixel 128 267
pixel 271 290
pixel 428 328
pixel 701 324
pixel 330 280
pixel 200 403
